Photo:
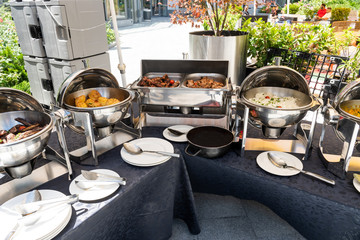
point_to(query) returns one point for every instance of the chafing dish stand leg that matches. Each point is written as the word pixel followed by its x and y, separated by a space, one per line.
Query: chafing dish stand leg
pixel 246 125
pixel 301 134
pixel 350 133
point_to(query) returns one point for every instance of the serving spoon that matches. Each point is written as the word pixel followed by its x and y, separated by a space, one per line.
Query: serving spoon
pixel 95 176
pixel 280 163
pixel 176 132
pixel 134 149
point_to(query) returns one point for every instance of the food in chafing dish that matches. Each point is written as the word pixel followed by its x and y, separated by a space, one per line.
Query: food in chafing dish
pixel 94 100
pixel 354 110
pixel 19 131
pixel 204 82
pixel 270 100
pixel 163 81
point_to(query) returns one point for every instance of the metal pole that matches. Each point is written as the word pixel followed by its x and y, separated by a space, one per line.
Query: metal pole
pixel 287 6
pixel 255 7
pixel 121 65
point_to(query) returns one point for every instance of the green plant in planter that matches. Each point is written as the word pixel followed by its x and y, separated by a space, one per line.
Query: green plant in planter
pixel 352 66
pixel 215 12
pixel 340 14
pixel 263 35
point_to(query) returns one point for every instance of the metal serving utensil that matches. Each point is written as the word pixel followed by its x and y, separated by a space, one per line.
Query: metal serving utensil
pixel 87 184
pixel 134 149
pixel 29 208
pixel 280 163
pixel 95 176
pixel 176 132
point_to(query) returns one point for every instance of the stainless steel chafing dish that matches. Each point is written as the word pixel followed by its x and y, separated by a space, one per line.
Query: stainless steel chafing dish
pixel 346 128
pixel 102 126
pixel 283 82
pixel 182 104
pixel 18 158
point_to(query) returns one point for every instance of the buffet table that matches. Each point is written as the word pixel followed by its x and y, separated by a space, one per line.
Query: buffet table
pixel 153 196
pixel 315 209
pixel 142 209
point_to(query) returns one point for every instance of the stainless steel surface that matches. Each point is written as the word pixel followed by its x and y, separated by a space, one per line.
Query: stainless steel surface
pixel 101 116
pixel 87 184
pixel 32 207
pixel 231 48
pixel 95 176
pixel 275 117
pixel 276 76
pixel 166 120
pixel 176 132
pixel 17 153
pixel 350 92
pixel 134 149
pixel 278 162
pixel 282 145
pixel 16 100
pixel 183 96
pixel 39 176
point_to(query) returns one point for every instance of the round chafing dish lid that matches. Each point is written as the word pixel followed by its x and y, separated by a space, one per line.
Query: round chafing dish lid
pixel 350 92
pixel 16 100
pixel 87 78
pixel 276 76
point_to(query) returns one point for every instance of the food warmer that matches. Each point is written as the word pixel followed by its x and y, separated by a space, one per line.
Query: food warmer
pixel 282 82
pixel 18 158
pixel 164 106
pixel 104 127
pixel 346 128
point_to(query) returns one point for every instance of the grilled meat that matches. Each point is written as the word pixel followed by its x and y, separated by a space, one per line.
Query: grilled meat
pixel 204 82
pixel 163 81
pixel 19 131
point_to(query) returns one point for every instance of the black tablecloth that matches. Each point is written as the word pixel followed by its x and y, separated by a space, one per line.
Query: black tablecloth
pixel 315 209
pixel 143 209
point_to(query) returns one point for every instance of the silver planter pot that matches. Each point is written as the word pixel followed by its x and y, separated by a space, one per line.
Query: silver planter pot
pixel 232 47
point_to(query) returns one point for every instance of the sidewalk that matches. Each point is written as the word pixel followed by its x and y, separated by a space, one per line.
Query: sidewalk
pixel 158 39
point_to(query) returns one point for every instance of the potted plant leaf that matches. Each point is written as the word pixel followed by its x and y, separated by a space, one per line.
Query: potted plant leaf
pixel 221 41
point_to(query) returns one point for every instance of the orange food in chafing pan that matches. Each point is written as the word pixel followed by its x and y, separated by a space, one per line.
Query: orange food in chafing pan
pixel 94 99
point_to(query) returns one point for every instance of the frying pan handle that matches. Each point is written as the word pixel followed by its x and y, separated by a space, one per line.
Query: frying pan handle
pixel 191 154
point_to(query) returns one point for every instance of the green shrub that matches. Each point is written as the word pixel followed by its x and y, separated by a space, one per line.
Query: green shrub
pixel 298 37
pixel 12 70
pixel 294 8
pixel 110 33
pixel 340 14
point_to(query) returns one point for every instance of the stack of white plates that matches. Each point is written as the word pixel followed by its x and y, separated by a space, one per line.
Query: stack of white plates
pixel 51 222
pixel 146 159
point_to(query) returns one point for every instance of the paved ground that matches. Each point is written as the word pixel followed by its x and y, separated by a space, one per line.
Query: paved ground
pixel 158 39
pixel 221 217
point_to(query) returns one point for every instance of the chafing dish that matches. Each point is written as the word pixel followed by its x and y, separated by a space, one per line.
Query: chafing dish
pixel 18 158
pixel 282 82
pixel 184 105
pixel 346 128
pixel 102 126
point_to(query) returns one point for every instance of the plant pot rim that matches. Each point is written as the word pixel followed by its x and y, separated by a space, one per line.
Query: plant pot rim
pixel 224 33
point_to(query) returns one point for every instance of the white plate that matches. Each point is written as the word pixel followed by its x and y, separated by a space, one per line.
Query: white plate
pixel 50 223
pixel 356 184
pixel 182 128
pixel 97 192
pixel 148 159
pixel 264 162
